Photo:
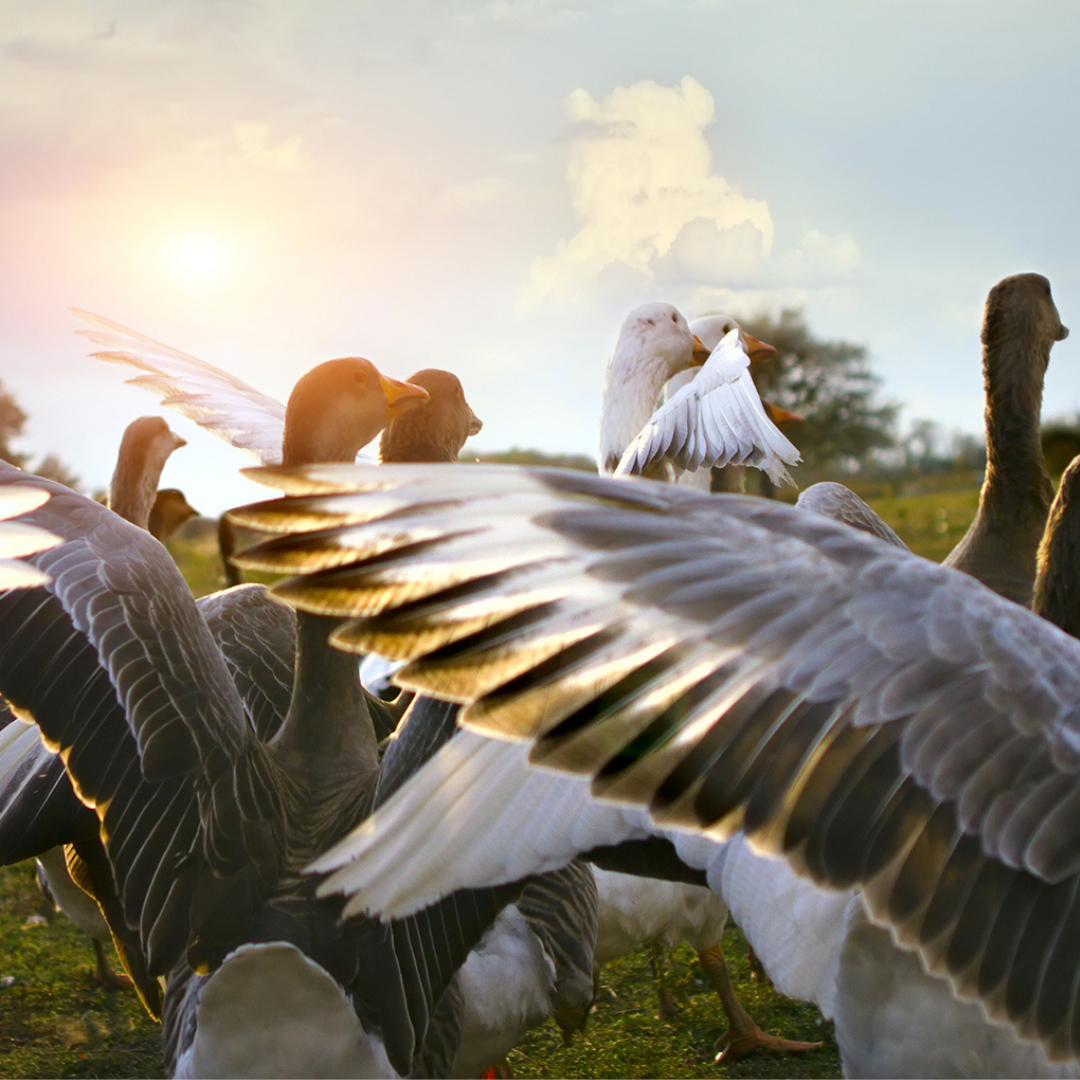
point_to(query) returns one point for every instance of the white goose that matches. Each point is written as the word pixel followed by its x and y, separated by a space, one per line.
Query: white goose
pixel 713 419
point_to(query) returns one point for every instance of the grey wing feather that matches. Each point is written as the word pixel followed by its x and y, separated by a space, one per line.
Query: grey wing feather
pixel 119 671
pixel 257 638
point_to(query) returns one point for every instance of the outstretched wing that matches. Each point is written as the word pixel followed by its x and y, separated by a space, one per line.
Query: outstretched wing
pixel 716 419
pixel 882 721
pixel 226 406
pixel 119 671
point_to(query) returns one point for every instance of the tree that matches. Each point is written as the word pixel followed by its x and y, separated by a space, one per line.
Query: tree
pixel 516 456
pixel 12 421
pixel 828 383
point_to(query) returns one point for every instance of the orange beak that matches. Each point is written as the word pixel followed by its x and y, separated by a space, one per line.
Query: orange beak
pixel 755 349
pixel 782 418
pixel 401 396
pixel 701 352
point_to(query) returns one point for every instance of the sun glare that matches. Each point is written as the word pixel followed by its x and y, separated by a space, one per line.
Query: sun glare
pixel 198 258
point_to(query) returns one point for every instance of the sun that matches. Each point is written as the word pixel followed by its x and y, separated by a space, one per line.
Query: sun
pixel 198 258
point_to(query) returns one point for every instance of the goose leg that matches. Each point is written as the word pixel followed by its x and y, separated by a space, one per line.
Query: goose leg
pixel 103 972
pixel 757 968
pixel 667 1006
pixel 743 1037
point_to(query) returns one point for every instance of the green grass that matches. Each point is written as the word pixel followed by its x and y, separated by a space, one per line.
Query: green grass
pixel 624 1037
pixel 55 1022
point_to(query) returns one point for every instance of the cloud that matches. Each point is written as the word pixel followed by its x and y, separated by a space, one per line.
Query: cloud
pixel 642 184
pixel 821 257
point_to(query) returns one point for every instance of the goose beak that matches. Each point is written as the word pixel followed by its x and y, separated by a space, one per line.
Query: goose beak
pixel 401 396
pixel 781 417
pixel 701 352
pixel 757 350
pixel 177 441
pixel 1063 333
pixel 475 423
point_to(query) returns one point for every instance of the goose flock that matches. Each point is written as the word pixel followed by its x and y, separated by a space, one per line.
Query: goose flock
pixel 871 761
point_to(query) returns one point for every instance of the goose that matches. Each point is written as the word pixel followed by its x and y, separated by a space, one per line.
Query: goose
pixel 198 874
pixel 169 512
pixel 709 330
pixel 712 418
pixel 544 941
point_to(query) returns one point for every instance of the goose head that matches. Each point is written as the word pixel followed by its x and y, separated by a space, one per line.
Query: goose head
pixel 144 449
pixel 169 512
pixel 434 430
pixel 654 344
pixel 340 406
pixel 710 330
pixel 1020 321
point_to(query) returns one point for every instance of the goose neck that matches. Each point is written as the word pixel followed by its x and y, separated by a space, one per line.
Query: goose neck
pixel 630 393
pixel 1015 470
pixel 328 727
pixel 132 491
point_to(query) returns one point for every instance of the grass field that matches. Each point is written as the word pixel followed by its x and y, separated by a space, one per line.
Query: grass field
pixel 55 1022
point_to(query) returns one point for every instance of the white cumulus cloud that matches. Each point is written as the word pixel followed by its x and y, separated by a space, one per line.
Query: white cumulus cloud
pixel 643 187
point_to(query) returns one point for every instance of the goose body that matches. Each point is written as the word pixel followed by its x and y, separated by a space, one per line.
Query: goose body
pixel 296 1020
pixel 654 344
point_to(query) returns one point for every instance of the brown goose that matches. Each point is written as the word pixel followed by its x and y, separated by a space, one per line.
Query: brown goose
pixel 169 512
pixel 1020 325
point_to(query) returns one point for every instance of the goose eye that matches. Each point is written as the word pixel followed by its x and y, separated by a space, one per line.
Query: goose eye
pixel 360 377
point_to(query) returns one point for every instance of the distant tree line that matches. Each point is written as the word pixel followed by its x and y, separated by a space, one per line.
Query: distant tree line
pixel 12 422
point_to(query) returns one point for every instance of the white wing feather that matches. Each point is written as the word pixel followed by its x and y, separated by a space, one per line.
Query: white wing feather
pixel 226 406
pixel 715 420
pixel 18 539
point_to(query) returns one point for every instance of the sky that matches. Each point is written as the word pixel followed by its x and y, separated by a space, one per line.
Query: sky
pixel 489 186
